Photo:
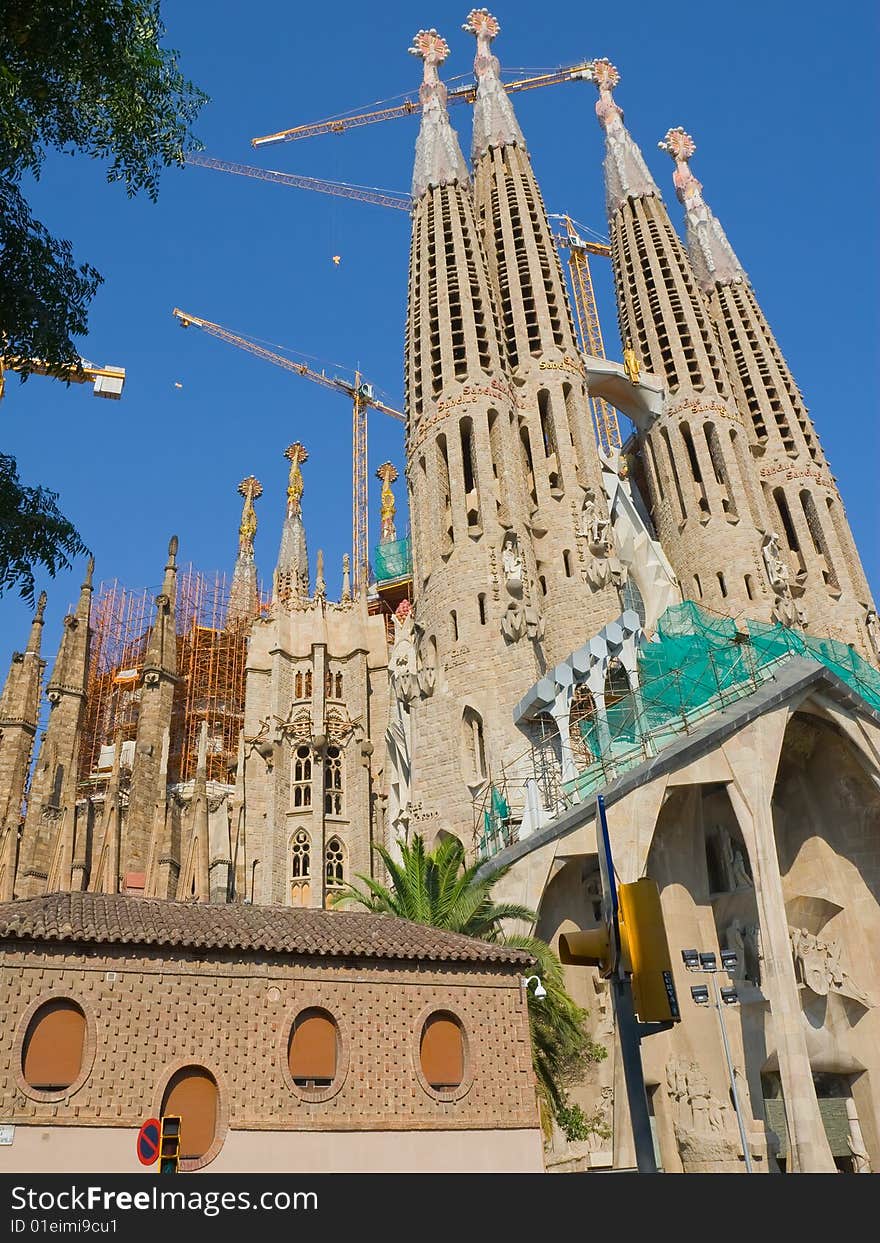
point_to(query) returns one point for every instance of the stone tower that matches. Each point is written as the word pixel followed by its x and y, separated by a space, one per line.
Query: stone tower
pixel 317 696
pixel 146 806
pixel 19 709
pixel 52 795
pixel 707 506
pixel 243 595
pixel 813 567
pixel 475 641
pixel 566 510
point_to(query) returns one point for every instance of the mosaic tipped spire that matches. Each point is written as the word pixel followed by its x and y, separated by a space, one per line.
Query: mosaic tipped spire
pixel 292 570
pixel 387 472
pixel 626 173
pixel 243 595
pixel 712 256
pixel 438 159
pixel 495 124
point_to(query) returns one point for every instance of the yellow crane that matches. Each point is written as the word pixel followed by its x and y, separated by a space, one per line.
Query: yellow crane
pixel 108 381
pixel 410 106
pixel 363 399
pixel 586 312
pixel 587 315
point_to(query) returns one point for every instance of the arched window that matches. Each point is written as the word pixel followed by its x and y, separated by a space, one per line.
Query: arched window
pixel 302 777
pixel 481 604
pixel 334 864
pixel 750 587
pixel 298 686
pixel 313 1050
pixel 474 746
pixel 53 1046
pixel 441 1052
pixel 619 703
pixel 721 584
pixel 308 684
pixel 566 562
pixel 300 856
pixel 453 622
pixel 339 686
pixel 191 1095
pixel 333 782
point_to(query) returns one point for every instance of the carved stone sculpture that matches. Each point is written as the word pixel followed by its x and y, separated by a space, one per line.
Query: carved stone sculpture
pixel 872 625
pixel 818 966
pixel 703 1124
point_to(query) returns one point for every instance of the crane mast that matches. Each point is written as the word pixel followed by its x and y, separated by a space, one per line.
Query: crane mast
pixel 363 399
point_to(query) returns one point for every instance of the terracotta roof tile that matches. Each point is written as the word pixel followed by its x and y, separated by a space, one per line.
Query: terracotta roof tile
pixel 116 919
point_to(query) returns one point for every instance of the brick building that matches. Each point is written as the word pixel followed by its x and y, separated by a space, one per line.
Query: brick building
pixel 285 1039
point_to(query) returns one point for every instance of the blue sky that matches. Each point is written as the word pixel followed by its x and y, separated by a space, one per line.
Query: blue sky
pixel 781 104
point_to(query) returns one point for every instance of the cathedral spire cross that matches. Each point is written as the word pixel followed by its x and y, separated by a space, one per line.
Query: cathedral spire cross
pixel 250 489
pixel 712 256
pixel 438 159
pixel 387 472
pixel 495 124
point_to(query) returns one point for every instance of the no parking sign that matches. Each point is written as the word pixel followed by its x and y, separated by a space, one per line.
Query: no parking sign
pixel 148 1142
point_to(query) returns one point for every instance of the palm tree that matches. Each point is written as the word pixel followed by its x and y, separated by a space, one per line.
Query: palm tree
pixel 439 888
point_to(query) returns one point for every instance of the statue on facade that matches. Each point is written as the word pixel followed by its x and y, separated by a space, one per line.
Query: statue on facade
pixel 872 625
pixel 595 529
pixel 818 966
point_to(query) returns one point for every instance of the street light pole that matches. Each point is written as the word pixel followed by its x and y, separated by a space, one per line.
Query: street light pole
pixel 733 1091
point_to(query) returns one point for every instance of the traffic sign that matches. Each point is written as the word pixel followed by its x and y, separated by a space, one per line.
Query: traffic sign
pixel 148 1142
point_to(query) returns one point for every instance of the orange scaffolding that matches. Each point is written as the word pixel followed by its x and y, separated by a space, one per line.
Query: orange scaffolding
pixel 211 665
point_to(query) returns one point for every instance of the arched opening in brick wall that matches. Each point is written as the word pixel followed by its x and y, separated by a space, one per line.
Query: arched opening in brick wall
pixel 192 1095
pixel 54 1043
pixel 441 1052
pixel 313 1049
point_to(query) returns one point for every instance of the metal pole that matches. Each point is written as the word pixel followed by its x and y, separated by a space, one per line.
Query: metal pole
pixel 627 1033
pixel 733 1091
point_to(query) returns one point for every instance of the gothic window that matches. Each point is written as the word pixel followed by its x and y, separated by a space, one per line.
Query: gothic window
pixel 302 777
pixel 334 864
pixel 333 782
pixel 298 686
pixel 300 856
pixel 338 685
pixel 308 683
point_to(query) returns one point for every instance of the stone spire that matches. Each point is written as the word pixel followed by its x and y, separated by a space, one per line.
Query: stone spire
pixel 495 124
pixel 292 570
pixel 52 792
pixel 439 161
pixel 19 708
pixel 712 256
pixel 809 558
pixel 158 680
pixel 387 472
pixel 557 465
pixel 243 596
pixel 626 173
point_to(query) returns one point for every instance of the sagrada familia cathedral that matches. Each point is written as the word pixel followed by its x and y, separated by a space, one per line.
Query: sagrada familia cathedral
pixel 683 626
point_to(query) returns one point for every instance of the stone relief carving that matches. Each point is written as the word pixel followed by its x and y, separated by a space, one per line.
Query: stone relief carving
pixel 704 1126
pixel 595 530
pixel 743 939
pixel 872 625
pixel 736 874
pixel 604 1025
pixel 786 610
pixel 520 619
pixel 402 660
pixel 817 965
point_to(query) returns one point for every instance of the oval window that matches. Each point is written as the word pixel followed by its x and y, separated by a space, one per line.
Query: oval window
pixel 313 1051
pixel 53 1046
pixel 442 1052
pixel 191 1095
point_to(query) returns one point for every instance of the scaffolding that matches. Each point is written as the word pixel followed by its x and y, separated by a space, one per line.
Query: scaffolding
pixel 210 687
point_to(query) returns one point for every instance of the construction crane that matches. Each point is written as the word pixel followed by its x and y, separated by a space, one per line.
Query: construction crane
pixel 589 328
pixel 410 106
pixel 364 194
pixel 363 399
pixel 108 381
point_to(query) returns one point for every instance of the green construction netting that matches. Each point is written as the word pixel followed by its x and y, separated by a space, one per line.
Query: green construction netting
pixel 698 664
pixel 392 560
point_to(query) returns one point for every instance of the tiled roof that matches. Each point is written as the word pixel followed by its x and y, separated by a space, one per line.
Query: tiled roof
pixel 114 919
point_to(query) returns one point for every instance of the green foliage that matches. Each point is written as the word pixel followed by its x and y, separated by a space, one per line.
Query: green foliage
pixel 438 888
pixel 32 531
pixel 577 1126
pixel 85 76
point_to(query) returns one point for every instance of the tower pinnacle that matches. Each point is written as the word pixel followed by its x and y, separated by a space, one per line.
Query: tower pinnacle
pixel 243 599
pixel 438 160
pixel 292 570
pixel 712 256
pixel 495 124
pixel 387 472
pixel 626 173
